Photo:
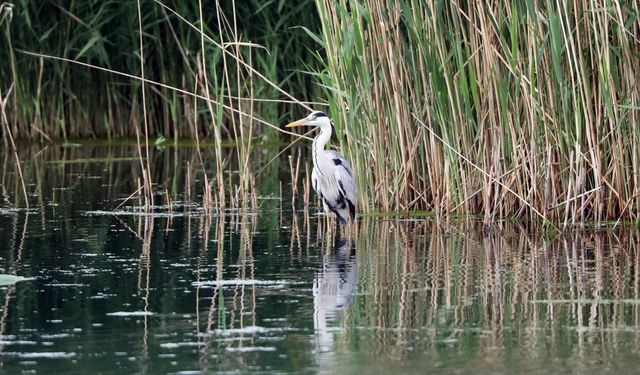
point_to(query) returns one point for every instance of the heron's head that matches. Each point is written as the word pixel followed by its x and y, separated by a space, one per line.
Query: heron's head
pixel 315 118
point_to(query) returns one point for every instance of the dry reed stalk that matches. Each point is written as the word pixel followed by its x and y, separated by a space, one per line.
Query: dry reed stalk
pixel 485 173
pixel 206 197
pixel 220 191
pixel 307 187
pixel 209 200
pixel 145 165
pixel 169 201
pixel 135 193
pixel 254 194
pixel 221 46
pixel 188 183
pixel 5 124
pixel 140 188
pixel 246 175
pixel 294 171
pixel 6 15
pixel 238 124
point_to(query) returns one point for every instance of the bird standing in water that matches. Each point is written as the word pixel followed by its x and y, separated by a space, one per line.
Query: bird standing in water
pixel 332 177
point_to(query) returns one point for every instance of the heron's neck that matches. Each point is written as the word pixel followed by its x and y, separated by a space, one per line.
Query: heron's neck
pixel 321 140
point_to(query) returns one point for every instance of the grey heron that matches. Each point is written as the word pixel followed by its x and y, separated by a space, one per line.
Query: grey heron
pixel 332 177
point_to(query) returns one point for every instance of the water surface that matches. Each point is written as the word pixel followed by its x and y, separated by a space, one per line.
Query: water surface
pixel 268 290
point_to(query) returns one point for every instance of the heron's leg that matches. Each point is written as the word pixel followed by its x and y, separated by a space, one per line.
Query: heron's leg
pixel 328 214
pixel 327 223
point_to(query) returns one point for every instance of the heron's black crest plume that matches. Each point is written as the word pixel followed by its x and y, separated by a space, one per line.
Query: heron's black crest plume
pixel 319 114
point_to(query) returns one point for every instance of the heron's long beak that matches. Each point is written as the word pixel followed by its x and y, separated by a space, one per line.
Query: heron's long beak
pixel 304 121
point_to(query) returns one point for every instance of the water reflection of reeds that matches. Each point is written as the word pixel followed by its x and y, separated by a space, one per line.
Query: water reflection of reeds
pixel 492 295
pixel 178 175
pixel 16 252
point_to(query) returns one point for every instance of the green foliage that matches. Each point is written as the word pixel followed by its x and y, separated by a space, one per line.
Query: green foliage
pixel 65 100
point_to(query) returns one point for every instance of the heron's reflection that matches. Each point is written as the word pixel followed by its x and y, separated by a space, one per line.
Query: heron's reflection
pixel 333 289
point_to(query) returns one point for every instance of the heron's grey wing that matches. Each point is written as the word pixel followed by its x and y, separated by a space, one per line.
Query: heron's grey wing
pixel 345 178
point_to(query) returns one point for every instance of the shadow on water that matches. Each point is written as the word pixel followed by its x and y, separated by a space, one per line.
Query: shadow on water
pixel 269 290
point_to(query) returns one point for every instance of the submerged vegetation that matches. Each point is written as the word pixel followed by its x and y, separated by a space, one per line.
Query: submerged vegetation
pixel 505 109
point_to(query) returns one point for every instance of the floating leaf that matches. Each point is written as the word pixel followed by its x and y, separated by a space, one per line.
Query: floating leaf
pixel 10 279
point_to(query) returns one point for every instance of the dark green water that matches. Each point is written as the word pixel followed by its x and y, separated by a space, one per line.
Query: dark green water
pixel 269 291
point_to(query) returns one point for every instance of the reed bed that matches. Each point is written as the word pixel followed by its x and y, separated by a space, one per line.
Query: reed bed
pixel 504 109
pixel 55 99
pixel 517 109
pixel 159 71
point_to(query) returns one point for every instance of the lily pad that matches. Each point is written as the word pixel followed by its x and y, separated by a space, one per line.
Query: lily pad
pixel 10 279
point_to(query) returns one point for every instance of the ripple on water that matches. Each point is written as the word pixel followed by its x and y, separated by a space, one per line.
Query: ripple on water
pixel 250 330
pixel 17 342
pixel 252 349
pixel 130 313
pixel 39 355
pixel 237 282
pixel 176 345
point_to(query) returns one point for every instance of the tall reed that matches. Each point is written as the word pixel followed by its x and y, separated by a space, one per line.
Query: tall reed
pixel 541 96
